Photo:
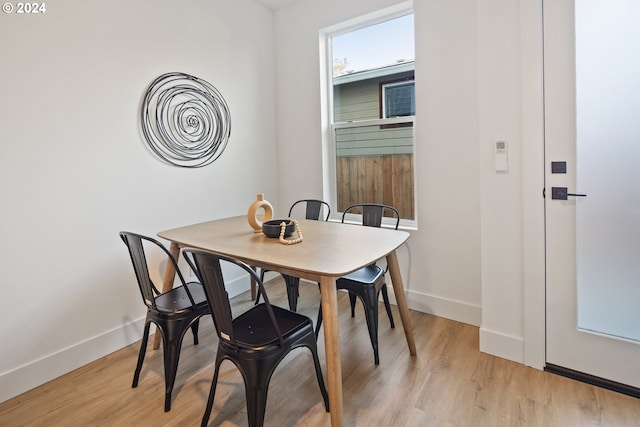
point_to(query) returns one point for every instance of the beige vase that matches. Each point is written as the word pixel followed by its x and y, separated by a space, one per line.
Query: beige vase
pixel 252 214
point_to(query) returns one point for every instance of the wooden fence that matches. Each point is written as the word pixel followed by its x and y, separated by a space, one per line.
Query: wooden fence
pixel 386 178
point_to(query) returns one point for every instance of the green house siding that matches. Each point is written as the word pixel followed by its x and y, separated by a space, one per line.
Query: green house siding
pixel 373 140
pixel 360 100
pixel 356 101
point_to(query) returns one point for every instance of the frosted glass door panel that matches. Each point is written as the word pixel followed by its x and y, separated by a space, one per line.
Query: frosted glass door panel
pixel 608 166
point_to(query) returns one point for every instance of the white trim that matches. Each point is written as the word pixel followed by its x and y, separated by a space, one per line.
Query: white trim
pixel 459 311
pixel 40 371
pixel 386 14
pixel 532 184
pixel 373 122
pixel 498 344
pixel 37 372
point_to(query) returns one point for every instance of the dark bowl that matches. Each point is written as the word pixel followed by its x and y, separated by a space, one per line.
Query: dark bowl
pixel 271 228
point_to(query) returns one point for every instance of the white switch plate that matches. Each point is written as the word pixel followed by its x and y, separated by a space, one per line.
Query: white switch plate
pixel 501 159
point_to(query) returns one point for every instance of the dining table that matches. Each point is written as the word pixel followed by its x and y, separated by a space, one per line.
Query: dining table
pixel 327 251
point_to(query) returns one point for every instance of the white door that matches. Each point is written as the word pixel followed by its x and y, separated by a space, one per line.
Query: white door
pixel 592 122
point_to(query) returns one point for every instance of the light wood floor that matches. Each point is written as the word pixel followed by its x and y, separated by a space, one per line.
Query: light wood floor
pixel 449 383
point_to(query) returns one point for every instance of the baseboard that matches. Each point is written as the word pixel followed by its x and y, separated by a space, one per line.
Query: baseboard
pixel 459 311
pixel 33 374
pixel 40 371
pixel 492 342
pixel 502 345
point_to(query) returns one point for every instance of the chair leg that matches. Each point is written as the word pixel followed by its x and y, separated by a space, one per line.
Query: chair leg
pixel 256 388
pixel 311 344
pixel 170 362
pixel 371 315
pixel 171 346
pixel 319 321
pixel 387 306
pixel 352 300
pixel 194 329
pixel 143 350
pixel 212 393
pixel 293 291
pixel 292 284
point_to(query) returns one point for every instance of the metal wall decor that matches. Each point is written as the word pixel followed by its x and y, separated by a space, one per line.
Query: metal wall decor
pixel 185 120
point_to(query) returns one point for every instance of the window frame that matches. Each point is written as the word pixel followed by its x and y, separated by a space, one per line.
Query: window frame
pixel 329 127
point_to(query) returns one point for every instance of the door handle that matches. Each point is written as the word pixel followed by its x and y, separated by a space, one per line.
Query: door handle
pixel 561 193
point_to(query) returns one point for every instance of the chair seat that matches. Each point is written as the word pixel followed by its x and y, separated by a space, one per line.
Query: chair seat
pixel 368 275
pixel 177 299
pixel 253 328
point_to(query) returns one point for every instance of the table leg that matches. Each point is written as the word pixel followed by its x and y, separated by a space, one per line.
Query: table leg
pixel 167 283
pixel 398 290
pixel 332 347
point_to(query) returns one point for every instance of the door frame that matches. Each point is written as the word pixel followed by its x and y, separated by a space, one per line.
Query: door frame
pixel 533 182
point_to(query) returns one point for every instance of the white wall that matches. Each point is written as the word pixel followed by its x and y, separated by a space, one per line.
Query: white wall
pixel 476 255
pixel 74 169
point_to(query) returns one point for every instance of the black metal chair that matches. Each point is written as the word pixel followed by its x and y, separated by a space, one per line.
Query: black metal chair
pixel 313 210
pixel 256 340
pixel 173 312
pixel 368 282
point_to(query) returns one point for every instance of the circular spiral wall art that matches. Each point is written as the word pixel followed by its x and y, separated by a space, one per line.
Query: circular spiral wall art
pixel 185 120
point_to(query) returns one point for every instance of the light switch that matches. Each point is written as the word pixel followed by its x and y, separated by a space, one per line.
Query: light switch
pixel 501 161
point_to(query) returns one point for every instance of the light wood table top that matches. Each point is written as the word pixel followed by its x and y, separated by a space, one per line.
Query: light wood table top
pixel 329 250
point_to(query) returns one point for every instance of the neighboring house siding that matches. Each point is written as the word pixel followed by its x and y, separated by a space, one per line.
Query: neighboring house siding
pixel 356 101
pixel 360 100
pixel 372 140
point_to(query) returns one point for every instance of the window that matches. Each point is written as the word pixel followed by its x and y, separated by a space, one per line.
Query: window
pixel 397 99
pixel 371 103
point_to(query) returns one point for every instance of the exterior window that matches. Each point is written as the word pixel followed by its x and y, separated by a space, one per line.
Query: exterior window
pixel 372 99
pixel 398 99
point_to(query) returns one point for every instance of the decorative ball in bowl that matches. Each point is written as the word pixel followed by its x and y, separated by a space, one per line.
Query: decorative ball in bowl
pixel 271 228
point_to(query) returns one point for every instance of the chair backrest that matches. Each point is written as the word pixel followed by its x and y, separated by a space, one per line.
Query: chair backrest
pixel 135 244
pixel 372 213
pixel 209 270
pixel 312 209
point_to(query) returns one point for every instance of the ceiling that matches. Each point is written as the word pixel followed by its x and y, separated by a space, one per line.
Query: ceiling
pixel 274 4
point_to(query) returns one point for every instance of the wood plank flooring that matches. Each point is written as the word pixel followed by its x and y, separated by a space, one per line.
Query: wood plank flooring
pixel 449 383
